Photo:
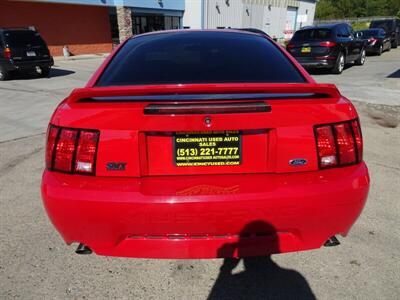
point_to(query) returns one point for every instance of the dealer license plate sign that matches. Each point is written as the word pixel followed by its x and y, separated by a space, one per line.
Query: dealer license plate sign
pixel 202 149
pixel 30 53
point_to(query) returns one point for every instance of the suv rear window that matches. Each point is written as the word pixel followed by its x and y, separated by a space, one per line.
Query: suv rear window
pixel 21 38
pixel 388 25
pixel 198 57
pixel 312 34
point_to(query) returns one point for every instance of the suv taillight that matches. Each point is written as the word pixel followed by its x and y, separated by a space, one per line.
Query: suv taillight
pixel 338 144
pixel 71 150
pixel 327 44
pixel 7 53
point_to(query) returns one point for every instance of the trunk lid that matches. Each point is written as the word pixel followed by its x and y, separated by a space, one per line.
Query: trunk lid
pixel 152 130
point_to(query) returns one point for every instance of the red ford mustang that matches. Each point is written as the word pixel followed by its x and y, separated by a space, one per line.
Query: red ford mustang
pixel 203 144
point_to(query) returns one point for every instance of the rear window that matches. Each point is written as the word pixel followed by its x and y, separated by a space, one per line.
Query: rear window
pixel 198 57
pixel 369 33
pixel 312 34
pixel 21 38
pixel 388 25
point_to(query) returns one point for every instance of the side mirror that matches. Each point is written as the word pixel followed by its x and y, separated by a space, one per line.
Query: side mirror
pixel 358 34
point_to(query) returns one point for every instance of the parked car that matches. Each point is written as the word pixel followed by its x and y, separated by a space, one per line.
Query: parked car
pixel 254 30
pixel 376 39
pixel 23 50
pixel 392 28
pixel 328 46
pixel 218 144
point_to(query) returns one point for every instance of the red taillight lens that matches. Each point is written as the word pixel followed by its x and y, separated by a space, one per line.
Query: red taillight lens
pixel 7 53
pixel 71 150
pixel 290 46
pixel 327 44
pixel 358 138
pixel 326 146
pixel 65 149
pixel 85 154
pixel 52 133
pixel 345 142
pixel 339 144
pixel 372 41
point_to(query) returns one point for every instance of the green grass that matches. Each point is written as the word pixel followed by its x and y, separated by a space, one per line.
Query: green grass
pixel 360 25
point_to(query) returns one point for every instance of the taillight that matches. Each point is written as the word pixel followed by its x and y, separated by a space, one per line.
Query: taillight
pixel 372 41
pixel 327 44
pixel 338 144
pixel 327 153
pixel 290 46
pixel 52 133
pixel 71 150
pixel 7 53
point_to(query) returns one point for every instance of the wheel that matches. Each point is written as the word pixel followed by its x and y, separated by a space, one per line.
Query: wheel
pixel 380 50
pixel 43 71
pixel 361 60
pixel 395 44
pixel 3 74
pixel 339 65
pixel 389 48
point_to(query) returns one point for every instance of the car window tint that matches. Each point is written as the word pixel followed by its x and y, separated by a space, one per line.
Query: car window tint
pixel 370 33
pixel 22 38
pixel 312 34
pixel 198 57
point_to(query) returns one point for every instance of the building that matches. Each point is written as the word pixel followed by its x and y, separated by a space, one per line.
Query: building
pixel 94 26
pixel 278 18
pixel 91 26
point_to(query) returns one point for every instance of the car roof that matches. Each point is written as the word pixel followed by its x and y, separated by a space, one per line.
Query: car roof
pixel 324 26
pixel 201 31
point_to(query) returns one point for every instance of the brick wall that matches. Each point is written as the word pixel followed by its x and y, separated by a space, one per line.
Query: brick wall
pixel 84 28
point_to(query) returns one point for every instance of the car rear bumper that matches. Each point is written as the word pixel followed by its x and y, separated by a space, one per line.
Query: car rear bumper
pixel 372 48
pixel 205 216
pixel 317 63
pixel 28 64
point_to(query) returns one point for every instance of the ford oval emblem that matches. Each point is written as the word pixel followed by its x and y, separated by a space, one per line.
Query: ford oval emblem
pixel 298 162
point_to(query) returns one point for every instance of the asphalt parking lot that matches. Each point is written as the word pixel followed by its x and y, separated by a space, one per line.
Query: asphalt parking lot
pixel 36 264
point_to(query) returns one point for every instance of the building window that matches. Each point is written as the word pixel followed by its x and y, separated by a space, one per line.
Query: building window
pixel 148 23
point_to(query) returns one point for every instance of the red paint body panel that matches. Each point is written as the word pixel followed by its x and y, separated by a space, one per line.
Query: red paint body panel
pixel 202 216
pixel 155 209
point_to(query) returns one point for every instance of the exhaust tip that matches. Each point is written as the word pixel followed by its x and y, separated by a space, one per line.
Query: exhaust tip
pixel 332 241
pixel 83 249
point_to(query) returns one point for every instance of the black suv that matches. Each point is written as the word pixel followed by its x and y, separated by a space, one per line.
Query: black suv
pixel 23 50
pixel 328 46
pixel 392 28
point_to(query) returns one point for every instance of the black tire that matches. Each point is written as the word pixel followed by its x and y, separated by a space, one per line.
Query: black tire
pixel 395 44
pixel 380 50
pixel 44 71
pixel 361 60
pixel 4 75
pixel 339 64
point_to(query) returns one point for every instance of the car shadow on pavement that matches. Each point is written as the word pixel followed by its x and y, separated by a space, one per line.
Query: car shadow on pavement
pixel 395 74
pixel 262 278
pixel 321 71
pixel 54 72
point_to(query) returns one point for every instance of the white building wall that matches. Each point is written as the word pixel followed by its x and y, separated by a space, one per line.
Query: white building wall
pixel 306 9
pixel 193 15
pixel 267 15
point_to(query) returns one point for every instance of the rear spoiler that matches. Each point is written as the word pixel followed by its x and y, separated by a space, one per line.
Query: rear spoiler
pixel 192 92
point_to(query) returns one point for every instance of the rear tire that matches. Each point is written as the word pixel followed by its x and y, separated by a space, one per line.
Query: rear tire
pixel 361 60
pixel 380 50
pixel 4 75
pixel 395 44
pixel 339 65
pixel 43 71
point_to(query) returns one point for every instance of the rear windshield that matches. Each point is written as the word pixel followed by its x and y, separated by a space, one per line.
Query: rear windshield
pixel 198 57
pixel 20 38
pixel 312 34
pixel 369 33
pixel 388 25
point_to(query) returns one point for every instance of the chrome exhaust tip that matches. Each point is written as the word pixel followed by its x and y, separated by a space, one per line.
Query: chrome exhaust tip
pixel 332 241
pixel 83 249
